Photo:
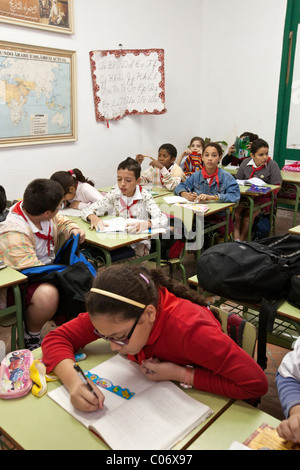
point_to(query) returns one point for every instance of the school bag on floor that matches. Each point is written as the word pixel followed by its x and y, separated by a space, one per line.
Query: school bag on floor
pixel 252 272
pixel 71 273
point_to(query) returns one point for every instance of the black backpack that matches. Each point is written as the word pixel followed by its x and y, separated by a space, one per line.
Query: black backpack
pixel 252 272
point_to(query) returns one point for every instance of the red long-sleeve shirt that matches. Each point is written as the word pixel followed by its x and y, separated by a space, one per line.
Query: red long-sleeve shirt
pixel 183 333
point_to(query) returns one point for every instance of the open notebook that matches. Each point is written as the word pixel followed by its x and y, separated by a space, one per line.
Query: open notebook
pixel 120 224
pixel 139 414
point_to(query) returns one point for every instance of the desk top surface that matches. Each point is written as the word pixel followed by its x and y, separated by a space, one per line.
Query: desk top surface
pixel 295 230
pixel 39 423
pixel 291 176
pixel 10 277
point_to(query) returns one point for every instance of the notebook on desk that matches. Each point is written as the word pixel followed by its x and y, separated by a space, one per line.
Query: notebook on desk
pixel 139 414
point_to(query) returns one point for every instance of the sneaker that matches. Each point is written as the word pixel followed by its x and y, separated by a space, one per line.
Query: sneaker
pixel 32 342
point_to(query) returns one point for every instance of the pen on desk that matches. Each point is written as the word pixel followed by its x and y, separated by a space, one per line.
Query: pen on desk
pixel 83 378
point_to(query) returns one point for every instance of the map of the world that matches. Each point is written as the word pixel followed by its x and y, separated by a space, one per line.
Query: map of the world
pixel 35 95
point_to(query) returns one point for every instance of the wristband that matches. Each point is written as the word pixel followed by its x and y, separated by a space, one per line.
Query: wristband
pixel 187 377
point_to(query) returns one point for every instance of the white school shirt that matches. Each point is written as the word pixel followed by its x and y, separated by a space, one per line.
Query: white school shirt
pixel 86 194
pixel 41 246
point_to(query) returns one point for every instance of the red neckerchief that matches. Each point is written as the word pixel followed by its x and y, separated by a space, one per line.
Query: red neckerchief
pixel 17 210
pixel 195 160
pixel 211 177
pixel 126 207
pixel 259 168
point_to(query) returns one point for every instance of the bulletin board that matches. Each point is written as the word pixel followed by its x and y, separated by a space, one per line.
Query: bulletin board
pixel 128 82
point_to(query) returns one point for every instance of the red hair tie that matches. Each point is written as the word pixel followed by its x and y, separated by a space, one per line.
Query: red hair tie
pixel 71 172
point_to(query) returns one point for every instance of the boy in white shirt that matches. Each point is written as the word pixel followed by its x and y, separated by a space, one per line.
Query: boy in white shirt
pixel 131 201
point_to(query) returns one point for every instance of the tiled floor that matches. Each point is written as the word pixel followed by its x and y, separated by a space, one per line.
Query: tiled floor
pixel 270 402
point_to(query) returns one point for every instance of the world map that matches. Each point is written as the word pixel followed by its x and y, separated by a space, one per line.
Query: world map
pixel 35 95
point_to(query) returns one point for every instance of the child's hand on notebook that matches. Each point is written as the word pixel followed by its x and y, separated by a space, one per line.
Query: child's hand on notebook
pixel 85 400
pixel 137 226
pixel 157 371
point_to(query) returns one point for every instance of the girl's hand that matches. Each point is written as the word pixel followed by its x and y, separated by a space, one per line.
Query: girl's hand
pixel 205 198
pixel 158 371
pixel 83 399
pixel 189 196
pixel 74 204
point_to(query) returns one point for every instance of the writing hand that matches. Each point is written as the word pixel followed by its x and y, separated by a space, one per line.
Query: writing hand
pixel 83 399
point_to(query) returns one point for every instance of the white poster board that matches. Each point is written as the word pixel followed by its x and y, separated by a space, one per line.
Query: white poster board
pixel 128 82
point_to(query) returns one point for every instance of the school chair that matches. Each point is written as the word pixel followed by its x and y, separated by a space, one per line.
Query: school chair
pixel 183 222
pixel 12 317
pixel 249 334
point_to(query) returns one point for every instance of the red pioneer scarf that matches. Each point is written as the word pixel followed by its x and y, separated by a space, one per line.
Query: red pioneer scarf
pixel 259 168
pixel 211 177
pixel 17 210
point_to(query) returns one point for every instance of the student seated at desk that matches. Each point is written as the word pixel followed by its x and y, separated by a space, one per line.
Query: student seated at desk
pixel 288 386
pixel 160 324
pixel 129 200
pixel 163 172
pixel 231 158
pixel 30 237
pixel 258 165
pixel 191 159
pixel 211 183
pixel 79 191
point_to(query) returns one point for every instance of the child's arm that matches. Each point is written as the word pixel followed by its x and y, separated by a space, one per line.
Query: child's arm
pixel 157 218
pixel 181 157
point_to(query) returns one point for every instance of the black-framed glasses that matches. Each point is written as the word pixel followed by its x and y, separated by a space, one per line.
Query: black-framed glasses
pixel 120 342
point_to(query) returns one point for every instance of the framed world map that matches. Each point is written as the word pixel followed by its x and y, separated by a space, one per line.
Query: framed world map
pixel 37 95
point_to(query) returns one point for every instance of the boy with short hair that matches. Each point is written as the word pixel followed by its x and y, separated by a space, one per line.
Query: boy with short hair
pixel 163 172
pixel 131 201
pixel 30 237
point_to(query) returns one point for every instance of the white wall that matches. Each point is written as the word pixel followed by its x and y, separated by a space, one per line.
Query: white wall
pixel 204 85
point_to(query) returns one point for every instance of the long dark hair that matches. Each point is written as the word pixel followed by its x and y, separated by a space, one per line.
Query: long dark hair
pixel 70 178
pixel 135 283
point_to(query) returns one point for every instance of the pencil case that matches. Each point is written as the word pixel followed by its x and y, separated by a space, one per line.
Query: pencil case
pixel 14 374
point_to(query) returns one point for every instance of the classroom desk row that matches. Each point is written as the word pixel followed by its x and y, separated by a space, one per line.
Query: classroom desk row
pixel 34 423
pixel 290 177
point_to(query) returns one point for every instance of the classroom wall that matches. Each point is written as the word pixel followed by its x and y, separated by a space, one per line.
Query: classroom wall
pixel 218 84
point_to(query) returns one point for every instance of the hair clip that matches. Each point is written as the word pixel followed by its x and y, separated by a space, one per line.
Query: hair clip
pixel 145 278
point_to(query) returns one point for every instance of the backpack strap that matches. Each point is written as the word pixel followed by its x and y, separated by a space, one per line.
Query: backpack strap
pixel 267 313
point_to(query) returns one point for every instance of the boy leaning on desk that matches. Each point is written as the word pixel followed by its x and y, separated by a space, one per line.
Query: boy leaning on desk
pixel 30 237
pixel 131 201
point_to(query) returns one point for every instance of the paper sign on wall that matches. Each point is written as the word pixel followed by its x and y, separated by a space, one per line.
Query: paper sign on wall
pixel 128 82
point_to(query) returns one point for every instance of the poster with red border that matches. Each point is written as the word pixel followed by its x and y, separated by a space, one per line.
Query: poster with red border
pixel 128 82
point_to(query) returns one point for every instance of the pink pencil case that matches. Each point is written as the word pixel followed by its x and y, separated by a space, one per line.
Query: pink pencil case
pixel 15 375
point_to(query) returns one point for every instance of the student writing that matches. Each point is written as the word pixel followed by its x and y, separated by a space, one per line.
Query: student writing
pixel 258 165
pixel 30 237
pixel 164 326
pixel 79 191
pixel 131 201
pixel 163 171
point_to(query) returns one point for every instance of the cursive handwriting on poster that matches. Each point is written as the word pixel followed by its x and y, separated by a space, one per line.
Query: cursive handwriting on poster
pixel 128 82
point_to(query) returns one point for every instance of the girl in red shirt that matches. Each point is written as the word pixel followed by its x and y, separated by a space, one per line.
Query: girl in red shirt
pixel 162 325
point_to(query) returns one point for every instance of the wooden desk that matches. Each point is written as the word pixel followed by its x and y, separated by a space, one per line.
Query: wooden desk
pixel 40 424
pixel 10 278
pixel 293 178
pixel 107 242
pixel 237 423
pixel 249 198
